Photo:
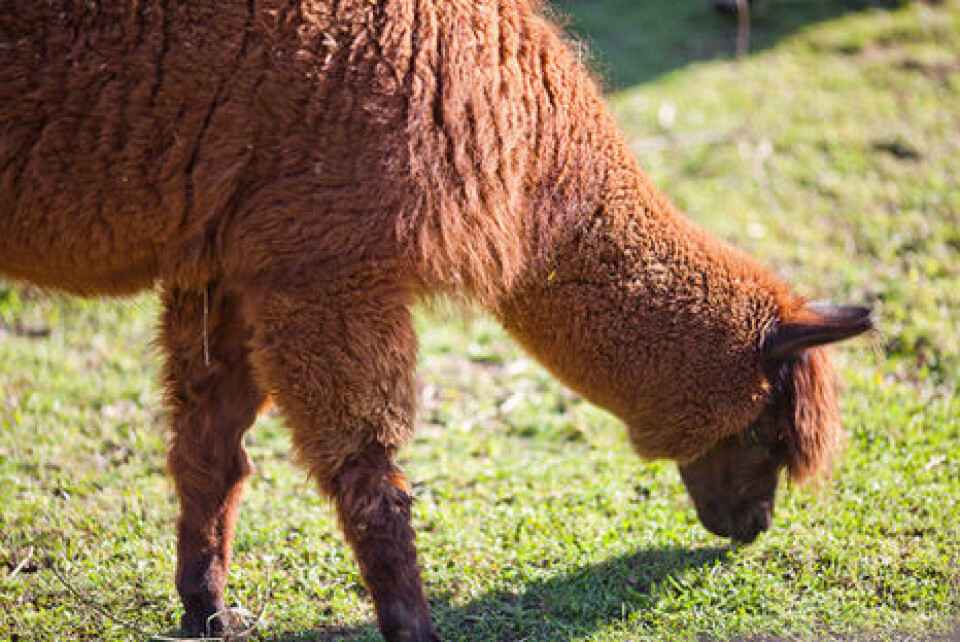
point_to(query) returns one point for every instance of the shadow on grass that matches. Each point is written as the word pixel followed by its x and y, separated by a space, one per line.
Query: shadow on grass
pixel 573 604
pixel 634 41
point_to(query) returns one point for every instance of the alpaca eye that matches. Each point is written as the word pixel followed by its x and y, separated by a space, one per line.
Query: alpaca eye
pixel 755 439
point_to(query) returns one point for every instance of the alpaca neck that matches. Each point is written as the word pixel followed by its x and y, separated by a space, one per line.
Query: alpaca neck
pixel 645 314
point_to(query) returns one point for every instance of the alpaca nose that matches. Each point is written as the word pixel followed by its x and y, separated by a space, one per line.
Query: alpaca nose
pixel 717 519
pixel 742 523
pixel 752 522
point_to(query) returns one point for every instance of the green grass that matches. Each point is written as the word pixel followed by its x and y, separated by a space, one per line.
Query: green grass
pixel 838 163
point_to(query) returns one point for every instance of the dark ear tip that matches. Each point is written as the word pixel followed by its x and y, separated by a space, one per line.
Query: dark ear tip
pixel 857 318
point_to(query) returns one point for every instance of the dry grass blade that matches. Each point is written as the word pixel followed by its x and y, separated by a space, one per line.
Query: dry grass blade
pixel 23 563
pixel 689 139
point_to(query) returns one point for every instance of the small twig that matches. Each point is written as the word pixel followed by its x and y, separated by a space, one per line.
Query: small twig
pixel 228 637
pixel 675 141
pixel 99 609
pixel 19 567
pixel 743 28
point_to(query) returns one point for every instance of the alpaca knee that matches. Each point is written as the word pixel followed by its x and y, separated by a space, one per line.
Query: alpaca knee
pixel 369 488
pixel 203 472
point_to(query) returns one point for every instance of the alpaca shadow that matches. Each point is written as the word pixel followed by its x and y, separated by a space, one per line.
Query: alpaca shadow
pixel 634 41
pixel 574 604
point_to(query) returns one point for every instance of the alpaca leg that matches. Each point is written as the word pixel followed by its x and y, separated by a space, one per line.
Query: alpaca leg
pixel 372 500
pixel 210 404
pixel 342 365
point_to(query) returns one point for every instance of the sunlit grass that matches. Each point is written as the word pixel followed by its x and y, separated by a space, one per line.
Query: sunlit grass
pixel 836 161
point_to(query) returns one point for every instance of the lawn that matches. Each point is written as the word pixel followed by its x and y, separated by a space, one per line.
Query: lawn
pixel 831 152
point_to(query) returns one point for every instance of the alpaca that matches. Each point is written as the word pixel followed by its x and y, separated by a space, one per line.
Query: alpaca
pixel 295 175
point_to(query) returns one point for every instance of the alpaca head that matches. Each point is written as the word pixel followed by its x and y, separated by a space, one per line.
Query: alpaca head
pixel 734 484
pixel 720 368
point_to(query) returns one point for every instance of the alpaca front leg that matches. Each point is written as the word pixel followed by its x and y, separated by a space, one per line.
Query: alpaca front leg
pixel 340 354
pixel 373 501
pixel 212 400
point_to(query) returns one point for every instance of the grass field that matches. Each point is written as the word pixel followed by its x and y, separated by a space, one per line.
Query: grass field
pixel 832 152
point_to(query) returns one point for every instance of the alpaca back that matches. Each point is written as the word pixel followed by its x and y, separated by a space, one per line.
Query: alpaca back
pixel 179 142
pixel 493 143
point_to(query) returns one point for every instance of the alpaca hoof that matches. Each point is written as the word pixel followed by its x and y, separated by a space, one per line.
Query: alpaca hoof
pixel 401 624
pixel 412 635
pixel 201 625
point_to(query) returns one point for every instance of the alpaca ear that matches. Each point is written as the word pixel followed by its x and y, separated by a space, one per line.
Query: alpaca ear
pixel 816 324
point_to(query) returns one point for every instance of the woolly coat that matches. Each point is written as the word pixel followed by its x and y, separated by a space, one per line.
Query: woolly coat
pixel 398 148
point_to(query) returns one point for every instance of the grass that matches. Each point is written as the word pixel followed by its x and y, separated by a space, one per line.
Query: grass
pixel 838 162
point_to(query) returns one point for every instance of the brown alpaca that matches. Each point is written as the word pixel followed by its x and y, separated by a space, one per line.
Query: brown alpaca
pixel 300 173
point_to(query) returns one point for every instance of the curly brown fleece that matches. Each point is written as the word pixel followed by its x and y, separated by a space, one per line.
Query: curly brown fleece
pixel 313 168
